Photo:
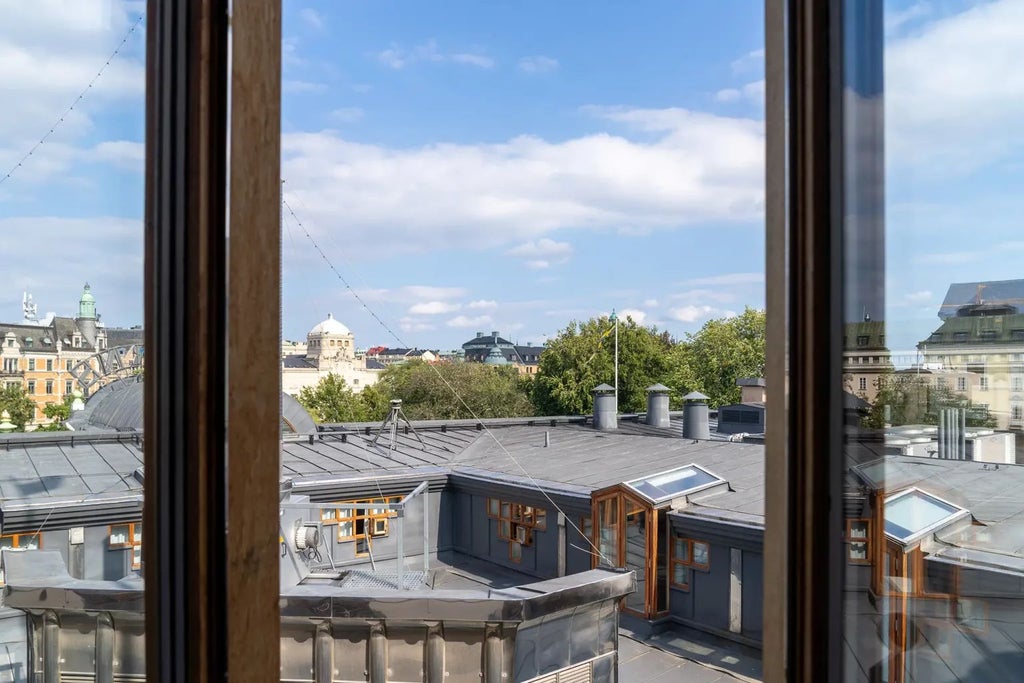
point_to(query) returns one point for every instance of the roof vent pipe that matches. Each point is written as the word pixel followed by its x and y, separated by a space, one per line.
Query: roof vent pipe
pixel 695 417
pixel 657 405
pixel 605 418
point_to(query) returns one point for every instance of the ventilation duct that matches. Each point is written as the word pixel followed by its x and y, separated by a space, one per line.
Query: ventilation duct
pixel 695 417
pixel 605 417
pixel 657 406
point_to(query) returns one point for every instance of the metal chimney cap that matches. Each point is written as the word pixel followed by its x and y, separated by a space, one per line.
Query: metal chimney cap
pixel 601 388
pixel 695 396
pixel 659 388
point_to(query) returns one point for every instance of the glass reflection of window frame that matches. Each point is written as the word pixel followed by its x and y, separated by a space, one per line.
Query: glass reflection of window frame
pixel 852 539
pixel 133 541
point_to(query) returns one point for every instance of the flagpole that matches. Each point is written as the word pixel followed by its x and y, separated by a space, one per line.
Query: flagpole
pixel 615 318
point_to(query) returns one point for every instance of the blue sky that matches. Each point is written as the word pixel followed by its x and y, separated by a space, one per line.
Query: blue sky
pixel 513 165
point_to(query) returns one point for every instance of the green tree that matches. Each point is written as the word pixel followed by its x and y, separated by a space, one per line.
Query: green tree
pixel 331 400
pixel 58 413
pixel 721 352
pixel 909 398
pixel 451 391
pixel 582 356
pixel 16 402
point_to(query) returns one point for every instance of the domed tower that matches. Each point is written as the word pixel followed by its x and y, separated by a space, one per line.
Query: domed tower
pixel 495 357
pixel 330 342
pixel 87 315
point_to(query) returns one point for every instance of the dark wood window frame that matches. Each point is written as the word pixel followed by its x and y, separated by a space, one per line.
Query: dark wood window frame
pixel 517 523
pixel 211 522
pixel 690 563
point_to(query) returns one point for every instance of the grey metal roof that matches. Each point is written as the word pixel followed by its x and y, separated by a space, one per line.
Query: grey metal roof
pixel 117 406
pixel 990 292
pixel 297 361
pixel 581 456
pixel 991 495
pixel 63 479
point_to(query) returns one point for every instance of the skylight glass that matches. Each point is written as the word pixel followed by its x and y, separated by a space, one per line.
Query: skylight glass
pixel 673 483
pixel 908 514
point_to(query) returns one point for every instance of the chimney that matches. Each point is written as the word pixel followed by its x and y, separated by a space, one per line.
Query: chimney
pixel 695 417
pixel 605 418
pixel 495 334
pixel 752 389
pixel 479 334
pixel 657 405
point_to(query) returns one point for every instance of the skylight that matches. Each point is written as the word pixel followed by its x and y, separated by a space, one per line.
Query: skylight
pixel 674 483
pixel 913 513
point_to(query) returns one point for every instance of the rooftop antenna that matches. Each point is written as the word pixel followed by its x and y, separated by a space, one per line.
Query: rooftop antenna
pixel 391 424
pixel 29 308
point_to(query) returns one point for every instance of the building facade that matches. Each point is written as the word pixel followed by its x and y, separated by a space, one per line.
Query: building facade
pixel 330 349
pixel 982 337
pixel 54 357
pixel 866 358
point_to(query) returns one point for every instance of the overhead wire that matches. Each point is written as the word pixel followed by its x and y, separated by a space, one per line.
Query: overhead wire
pixel 387 328
pixel 75 102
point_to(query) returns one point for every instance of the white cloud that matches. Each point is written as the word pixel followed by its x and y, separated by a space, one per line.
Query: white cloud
pixel 752 61
pixel 397 57
pixel 895 20
pixel 727 279
pixel 636 314
pixel 537 264
pixel 720 295
pixel 98 243
pixel 752 92
pixel 122 153
pixel 471 59
pixel 482 304
pixel 466 321
pixel 728 95
pixel 415 325
pixel 433 308
pixel 412 294
pixel 312 18
pixel 954 90
pixel 690 314
pixel 537 64
pixel 346 114
pixel 544 247
pixel 51 51
pixel 691 168
pixel 650 303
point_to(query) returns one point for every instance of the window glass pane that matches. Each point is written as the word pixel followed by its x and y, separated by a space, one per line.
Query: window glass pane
pixel 515 551
pixel 700 553
pixel 7 542
pixel 681 549
pixel 540 518
pixel 680 575
pixel 858 550
pixel 119 535
pixel 673 484
pixel 931 456
pixel 492 506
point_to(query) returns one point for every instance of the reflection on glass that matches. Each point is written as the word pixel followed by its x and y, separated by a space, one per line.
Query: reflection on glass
pixel 933 345
pixel 71 340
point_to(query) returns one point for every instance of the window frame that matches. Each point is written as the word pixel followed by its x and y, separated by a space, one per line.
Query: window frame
pixel 194 294
pixel 850 539
pixel 690 563
pixel 134 541
pixel 517 523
